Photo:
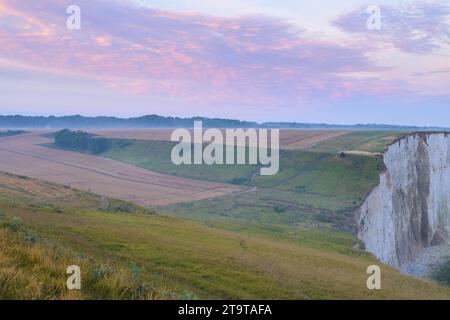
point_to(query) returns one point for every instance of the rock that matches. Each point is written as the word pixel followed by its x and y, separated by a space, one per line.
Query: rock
pixel 409 210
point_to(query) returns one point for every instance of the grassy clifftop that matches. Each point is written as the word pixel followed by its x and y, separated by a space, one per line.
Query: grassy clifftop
pixel 362 141
pixel 127 252
pixel 30 270
pixel 34 267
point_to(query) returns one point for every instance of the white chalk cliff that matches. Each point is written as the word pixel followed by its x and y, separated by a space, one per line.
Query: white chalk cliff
pixel 410 209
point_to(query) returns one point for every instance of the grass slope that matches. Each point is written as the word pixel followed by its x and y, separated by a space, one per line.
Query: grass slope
pixel 367 141
pixel 310 186
pixel 349 176
pixel 30 270
pixel 191 259
pixel 321 172
pixel 156 156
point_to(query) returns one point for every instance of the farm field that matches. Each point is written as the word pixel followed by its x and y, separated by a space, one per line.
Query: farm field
pixel 288 236
pixel 364 142
pixel 289 138
pixel 24 155
pixel 155 156
pixel 128 252
pixel 313 186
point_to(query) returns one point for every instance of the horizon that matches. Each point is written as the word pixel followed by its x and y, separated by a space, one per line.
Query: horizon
pixel 250 60
pixel 373 124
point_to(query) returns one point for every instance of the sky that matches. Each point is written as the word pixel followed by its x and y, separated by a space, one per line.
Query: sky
pixel 260 60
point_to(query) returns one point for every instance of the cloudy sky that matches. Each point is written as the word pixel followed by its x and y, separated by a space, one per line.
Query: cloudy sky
pixel 263 60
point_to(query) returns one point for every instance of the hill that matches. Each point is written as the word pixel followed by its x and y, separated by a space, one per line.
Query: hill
pixel 320 184
pixel 170 257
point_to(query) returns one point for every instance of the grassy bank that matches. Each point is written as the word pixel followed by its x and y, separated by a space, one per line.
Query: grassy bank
pixel 316 187
pixel 192 259
pixel 33 270
pixel 366 141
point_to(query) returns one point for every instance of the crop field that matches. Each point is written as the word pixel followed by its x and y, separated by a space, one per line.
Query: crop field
pixel 311 186
pixel 24 155
pixel 136 254
pixel 289 138
pixel 362 142
pixel 327 184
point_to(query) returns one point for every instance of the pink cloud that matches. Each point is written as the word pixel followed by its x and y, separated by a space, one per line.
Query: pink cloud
pixel 415 27
pixel 200 59
pixel 103 41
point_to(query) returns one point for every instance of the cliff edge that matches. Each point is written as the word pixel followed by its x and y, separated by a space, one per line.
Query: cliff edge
pixel 410 209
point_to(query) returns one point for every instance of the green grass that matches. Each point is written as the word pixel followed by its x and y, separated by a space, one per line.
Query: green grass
pixel 312 187
pixel 268 209
pixel 322 172
pixel 30 269
pixel 288 238
pixel 368 141
pixel 177 258
pixel 442 274
pixel 326 174
pixel 156 156
pixel 345 177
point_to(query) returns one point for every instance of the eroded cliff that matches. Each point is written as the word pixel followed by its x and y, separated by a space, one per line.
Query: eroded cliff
pixel 410 208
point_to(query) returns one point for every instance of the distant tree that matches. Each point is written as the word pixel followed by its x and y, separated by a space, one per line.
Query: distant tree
pixel 99 145
pixel 11 133
pixel 81 141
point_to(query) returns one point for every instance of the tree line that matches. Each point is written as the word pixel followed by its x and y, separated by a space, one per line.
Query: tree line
pixel 156 121
pixel 81 141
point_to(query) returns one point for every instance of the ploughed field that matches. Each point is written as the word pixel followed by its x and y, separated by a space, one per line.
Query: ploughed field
pixel 25 154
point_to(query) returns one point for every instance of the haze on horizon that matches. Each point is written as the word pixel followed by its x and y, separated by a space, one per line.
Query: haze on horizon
pixel 252 60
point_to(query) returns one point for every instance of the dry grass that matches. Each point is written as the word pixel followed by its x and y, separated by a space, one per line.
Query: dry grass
pixel 23 186
pixel 37 271
pixel 213 263
pixel 305 139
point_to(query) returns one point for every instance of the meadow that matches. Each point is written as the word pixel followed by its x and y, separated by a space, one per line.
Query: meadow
pixel 314 186
pixel 363 141
pixel 129 252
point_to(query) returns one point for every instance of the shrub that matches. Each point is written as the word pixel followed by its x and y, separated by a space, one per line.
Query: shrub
pixel 239 181
pixel 279 209
pixel 188 295
pixel 103 271
pixel 14 223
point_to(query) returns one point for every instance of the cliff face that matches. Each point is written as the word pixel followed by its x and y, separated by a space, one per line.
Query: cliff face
pixel 410 208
